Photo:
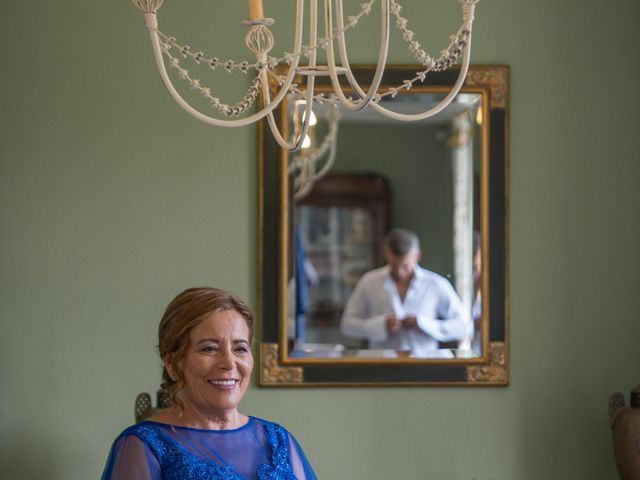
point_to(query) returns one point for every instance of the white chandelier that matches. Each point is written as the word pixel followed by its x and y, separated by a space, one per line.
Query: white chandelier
pixel 260 41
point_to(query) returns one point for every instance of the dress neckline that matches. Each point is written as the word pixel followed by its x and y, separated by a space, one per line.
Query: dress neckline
pixel 249 422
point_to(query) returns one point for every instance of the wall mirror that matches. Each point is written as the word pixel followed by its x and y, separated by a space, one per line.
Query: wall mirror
pixel 324 212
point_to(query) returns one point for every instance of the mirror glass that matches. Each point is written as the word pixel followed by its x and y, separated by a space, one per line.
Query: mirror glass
pixel 370 175
pixel 382 243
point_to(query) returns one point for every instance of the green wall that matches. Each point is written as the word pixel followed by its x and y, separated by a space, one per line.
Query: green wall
pixel 112 200
pixel 417 164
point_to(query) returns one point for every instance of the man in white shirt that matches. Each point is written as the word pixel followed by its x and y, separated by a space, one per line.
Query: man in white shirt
pixel 403 306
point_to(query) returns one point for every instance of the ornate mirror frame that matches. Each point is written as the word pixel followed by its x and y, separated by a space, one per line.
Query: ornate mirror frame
pixel 277 369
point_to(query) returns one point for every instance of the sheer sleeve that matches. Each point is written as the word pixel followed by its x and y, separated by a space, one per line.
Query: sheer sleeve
pixel 299 461
pixel 131 459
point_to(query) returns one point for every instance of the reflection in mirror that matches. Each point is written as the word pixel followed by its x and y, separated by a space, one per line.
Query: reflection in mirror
pixel 336 307
pixel 348 190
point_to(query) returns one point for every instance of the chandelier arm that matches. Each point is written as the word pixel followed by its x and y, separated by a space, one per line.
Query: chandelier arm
pixel 332 155
pixel 365 98
pixel 152 26
pixel 462 75
pixel 273 125
pixel 327 145
pixel 292 165
pixel 382 55
pixel 297 143
pixel 307 174
pixel 302 188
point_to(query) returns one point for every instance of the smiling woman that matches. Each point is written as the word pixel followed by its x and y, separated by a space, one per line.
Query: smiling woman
pixel 205 339
pixel 214 372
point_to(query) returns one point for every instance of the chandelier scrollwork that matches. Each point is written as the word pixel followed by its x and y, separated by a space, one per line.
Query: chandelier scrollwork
pixel 314 159
pixel 259 40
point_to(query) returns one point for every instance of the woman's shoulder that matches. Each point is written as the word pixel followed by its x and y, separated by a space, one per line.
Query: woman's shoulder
pixel 152 437
pixel 150 433
pixel 143 430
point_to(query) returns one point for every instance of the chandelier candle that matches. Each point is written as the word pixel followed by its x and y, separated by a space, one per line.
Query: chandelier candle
pixel 255 9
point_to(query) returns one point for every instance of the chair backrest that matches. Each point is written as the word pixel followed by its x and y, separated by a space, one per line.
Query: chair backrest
pixel 143 408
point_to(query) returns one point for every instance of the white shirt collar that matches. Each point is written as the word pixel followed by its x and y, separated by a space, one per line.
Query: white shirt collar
pixel 418 274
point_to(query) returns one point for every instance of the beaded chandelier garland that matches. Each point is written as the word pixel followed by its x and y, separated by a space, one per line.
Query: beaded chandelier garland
pixel 259 40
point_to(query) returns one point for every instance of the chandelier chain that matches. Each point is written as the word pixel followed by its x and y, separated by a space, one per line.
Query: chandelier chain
pixel 447 57
pixel 444 61
pixel 228 110
pixel 287 58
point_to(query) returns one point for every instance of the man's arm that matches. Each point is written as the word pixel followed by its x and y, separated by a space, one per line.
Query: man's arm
pixel 361 318
pixel 452 321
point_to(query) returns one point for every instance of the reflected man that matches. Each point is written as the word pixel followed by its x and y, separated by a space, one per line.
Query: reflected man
pixel 403 306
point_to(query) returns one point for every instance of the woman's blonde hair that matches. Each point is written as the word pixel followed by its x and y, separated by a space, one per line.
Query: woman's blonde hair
pixel 184 313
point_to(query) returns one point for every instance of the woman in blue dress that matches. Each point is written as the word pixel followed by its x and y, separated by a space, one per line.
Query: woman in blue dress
pixel 205 339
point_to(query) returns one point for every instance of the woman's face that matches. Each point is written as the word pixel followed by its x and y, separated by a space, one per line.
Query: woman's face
pixel 218 363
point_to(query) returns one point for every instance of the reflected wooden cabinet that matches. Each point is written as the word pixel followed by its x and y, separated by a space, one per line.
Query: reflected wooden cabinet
pixel 342 222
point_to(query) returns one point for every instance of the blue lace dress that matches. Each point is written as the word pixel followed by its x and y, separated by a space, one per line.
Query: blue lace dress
pixel 259 450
